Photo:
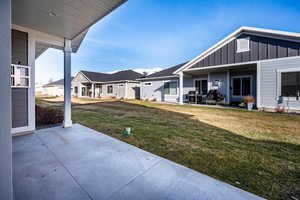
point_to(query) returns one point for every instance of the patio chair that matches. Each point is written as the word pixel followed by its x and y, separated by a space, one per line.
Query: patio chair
pixel 215 97
pixel 191 96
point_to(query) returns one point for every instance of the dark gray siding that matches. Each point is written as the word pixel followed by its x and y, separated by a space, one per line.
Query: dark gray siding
pixel 261 48
pixel 19 48
pixel 19 107
pixel 19 95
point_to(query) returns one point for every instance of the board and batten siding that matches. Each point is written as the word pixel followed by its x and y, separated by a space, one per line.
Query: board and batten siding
pixel 261 48
pixel 19 95
pixel 156 90
pixel 270 86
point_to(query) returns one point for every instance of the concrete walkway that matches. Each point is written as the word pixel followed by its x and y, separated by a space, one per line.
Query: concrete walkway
pixel 79 163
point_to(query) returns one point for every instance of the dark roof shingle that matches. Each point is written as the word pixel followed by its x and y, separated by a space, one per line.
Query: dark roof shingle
pixel 166 72
pixel 58 82
pixel 129 75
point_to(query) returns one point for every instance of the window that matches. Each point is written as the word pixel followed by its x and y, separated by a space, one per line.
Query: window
pixel 148 84
pixel 170 88
pixel 290 84
pixel 109 89
pixel 241 86
pixel 242 45
pixel 201 86
pixel 75 90
pixel 83 91
pixel 20 76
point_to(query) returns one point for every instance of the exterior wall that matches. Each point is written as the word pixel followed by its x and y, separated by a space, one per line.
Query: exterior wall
pixel 156 91
pixel 133 90
pixel 53 91
pixel 117 90
pixel 188 85
pixel 6 189
pixel 270 83
pixel 19 107
pixel 19 49
pixel 20 104
pixel 245 72
pixel 221 76
pixel 79 78
pixel 261 48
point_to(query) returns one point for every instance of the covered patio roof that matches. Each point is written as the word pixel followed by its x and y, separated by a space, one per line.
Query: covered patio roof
pixel 69 19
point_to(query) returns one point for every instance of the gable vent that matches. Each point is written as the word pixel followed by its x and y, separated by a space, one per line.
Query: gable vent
pixel 243 44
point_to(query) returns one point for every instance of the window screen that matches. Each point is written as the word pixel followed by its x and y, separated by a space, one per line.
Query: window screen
pixel 290 84
pixel 170 88
pixel 246 86
pixel 241 86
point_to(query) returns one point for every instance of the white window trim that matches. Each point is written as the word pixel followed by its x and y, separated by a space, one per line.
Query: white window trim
pixel 239 50
pixel 150 84
pixel 278 83
pixel 177 91
pixel 244 76
pixel 27 77
pixel 112 89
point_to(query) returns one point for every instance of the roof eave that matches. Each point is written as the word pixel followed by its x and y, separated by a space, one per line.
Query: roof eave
pixel 232 36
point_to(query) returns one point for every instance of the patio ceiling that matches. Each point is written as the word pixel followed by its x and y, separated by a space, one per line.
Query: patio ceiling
pixel 68 19
pixel 62 18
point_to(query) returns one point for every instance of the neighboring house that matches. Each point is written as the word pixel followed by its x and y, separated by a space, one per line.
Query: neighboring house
pixel 259 62
pixel 27 29
pixel 161 86
pixel 122 84
pixel 55 88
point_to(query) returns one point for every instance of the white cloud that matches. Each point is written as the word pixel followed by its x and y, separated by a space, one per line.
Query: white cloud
pixel 148 71
pixel 140 70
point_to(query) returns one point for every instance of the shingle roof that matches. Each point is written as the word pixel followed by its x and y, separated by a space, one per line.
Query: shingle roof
pixel 129 75
pixel 166 72
pixel 58 82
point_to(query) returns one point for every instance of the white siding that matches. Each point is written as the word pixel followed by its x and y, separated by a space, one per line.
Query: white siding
pixel 156 91
pixel 270 85
pixel 133 90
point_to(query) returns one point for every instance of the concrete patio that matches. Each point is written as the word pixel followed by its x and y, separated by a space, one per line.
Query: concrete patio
pixel 79 163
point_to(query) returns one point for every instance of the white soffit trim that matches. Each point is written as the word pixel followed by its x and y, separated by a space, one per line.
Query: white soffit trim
pixel 231 37
pixel 80 72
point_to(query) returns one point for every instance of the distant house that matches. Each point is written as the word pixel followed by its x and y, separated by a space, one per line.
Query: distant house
pixel 162 85
pixel 55 88
pixel 122 84
pixel 257 62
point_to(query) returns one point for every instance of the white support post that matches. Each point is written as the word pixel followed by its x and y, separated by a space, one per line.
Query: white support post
pixel 6 191
pixel 228 87
pixel 126 90
pixel 258 87
pixel 208 82
pixel 79 91
pixel 181 88
pixel 93 90
pixel 67 84
pixel 31 89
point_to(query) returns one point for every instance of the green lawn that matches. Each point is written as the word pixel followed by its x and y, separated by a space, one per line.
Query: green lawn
pixel 258 152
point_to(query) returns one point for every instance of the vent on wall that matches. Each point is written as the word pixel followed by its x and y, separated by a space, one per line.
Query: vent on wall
pixel 242 45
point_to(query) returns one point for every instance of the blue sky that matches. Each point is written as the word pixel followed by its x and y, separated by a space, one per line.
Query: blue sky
pixel 148 34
